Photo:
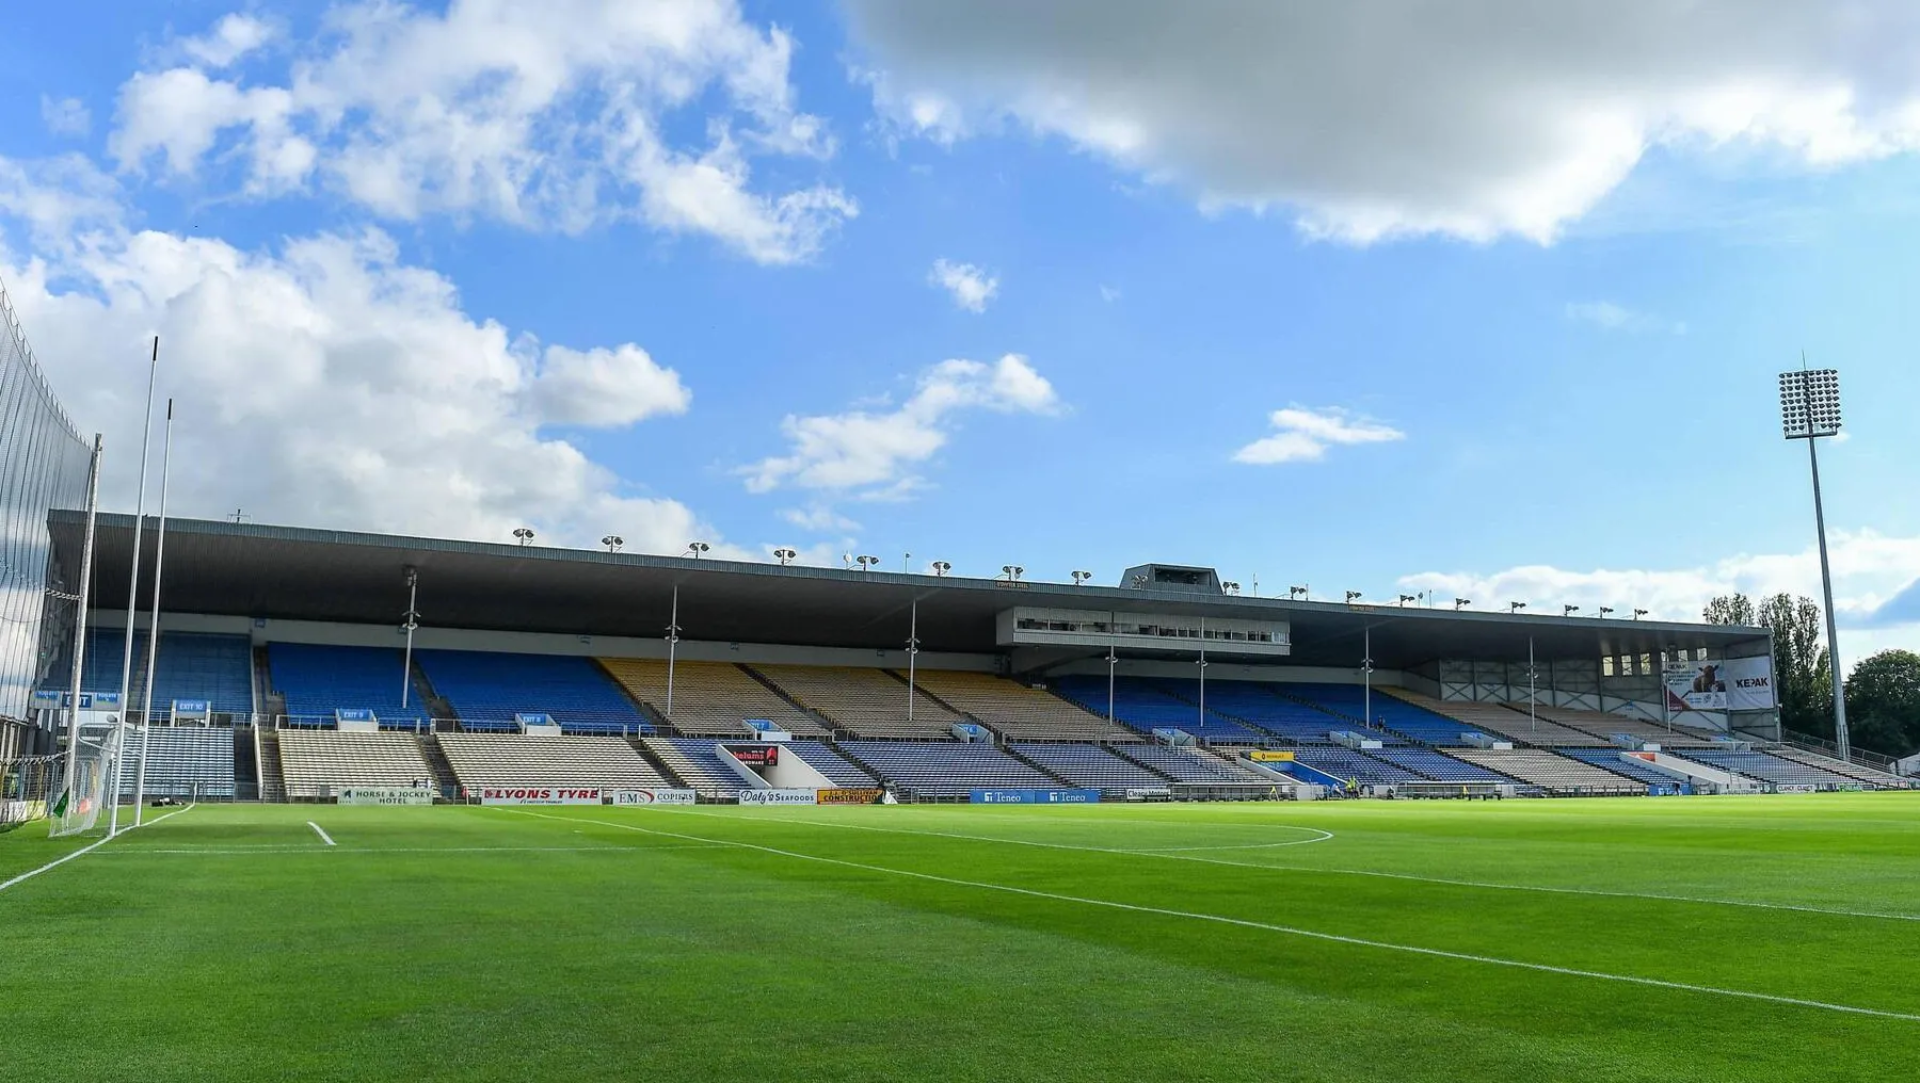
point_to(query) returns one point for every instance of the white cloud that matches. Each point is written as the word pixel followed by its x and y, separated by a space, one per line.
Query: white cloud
pixel 1304 434
pixel 65 116
pixel 330 383
pixel 819 517
pixel 1869 570
pixel 1109 294
pixel 1377 118
pixel 546 116
pixel 233 37
pixel 1609 316
pixel 871 455
pixel 970 286
pixel 56 198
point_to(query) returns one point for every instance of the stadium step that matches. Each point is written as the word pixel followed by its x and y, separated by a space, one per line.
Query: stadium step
pixel 246 765
pixel 1049 772
pixel 1120 750
pixel 666 770
pixel 444 780
pixel 830 724
pixel 273 786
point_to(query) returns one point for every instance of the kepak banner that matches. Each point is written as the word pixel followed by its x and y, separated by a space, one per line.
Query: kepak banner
pixel 652 797
pixel 1749 683
pixel 779 797
pixel 535 795
pixel 365 795
pixel 1695 686
pixel 849 797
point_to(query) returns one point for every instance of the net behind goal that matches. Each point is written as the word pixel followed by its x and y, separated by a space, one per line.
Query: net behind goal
pixel 28 788
pixel 80 789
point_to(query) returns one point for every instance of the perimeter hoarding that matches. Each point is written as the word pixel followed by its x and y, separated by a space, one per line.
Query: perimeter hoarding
pixel 1034 797
pixel 651 797
pixel 389 795
pixel 780 797
pixel 535 795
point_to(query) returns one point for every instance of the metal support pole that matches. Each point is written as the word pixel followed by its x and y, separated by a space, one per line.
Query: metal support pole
pixel 913 652
pixel 1533 696
pixel 153 624
pixel 80 623
pixel 1113 660
pixel 1366 676
pixel 673 642
pixel 413 621
pixel 133 591
pixel 1203 672
pixel 1833 632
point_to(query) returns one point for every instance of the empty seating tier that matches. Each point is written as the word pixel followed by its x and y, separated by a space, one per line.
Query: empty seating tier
pixel 486 759
pixel 1257 704
pixel 189 665
pixel 1357 767
pixel 318 680
pixel 1768 768
pixel 1606 724
pixel 869 702
pixel 930 769
pixel 1017 711
pixel 182 761
pixel 1090 766
pixel 1500 720
pixel 1840 767
pixel 485 686
pixel 1191 764
pixel 842 771
pixel 709 698
pixel 1437 766
pixel 1619 765
pixel 1407 719
pixel 1548 771
pixel 1144 705
pixel 316 762
pixel 693 759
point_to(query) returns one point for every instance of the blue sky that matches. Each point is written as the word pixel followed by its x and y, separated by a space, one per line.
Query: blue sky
pixel 1521 338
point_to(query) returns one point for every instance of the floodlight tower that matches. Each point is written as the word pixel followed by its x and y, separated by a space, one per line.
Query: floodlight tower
pixel 1809 410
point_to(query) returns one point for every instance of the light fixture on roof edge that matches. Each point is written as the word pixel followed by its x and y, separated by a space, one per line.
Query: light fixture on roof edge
pixel 785 555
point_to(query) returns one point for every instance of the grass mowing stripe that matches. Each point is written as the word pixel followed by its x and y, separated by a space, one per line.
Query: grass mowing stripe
pixel 1178 854
pixel 84 850
pixel 324 837
pixel 1285 930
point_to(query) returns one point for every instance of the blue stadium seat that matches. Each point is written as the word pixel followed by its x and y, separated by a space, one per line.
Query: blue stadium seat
pixel 1141 704
pixel 1406 719
pixel 945 768
pixel 487 689
pixel 1437 766
pixel 317 680
pixel 1611 760
pixel 189 665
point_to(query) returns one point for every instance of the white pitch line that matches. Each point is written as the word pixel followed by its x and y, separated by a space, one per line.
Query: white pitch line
pixel 1449 882
pixel 324 837
pixel 84 850
pixel 1245 923
pixel 236 851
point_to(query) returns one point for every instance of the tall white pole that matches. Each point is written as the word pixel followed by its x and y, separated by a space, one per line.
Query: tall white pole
pixel 1366 675
pixel 673 642
pixel 133 594
pixel 1203 672
pixel 153 626
pixel 1113 660
pixel 1533 717
pixel 406 666
pixel 1833 631
pixel 80 623
pixel 913 654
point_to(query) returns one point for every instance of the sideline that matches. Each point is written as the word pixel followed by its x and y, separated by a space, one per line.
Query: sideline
pixel 87 849
pixel 1285 930
pixel 1179 854
pixel 324 837
pixel 247 851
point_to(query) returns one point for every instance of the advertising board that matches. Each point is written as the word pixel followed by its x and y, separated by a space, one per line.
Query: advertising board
pixel 1749 683
pixel 779 797
pixel 535 795
pixel 849 796
pixel 756 755
pixel 1261 755
pixel 1695 686
pixel 379 795
pixel 1034 797
pixel 651 797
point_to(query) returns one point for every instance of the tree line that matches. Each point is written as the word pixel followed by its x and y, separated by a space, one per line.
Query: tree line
pixel 1883 691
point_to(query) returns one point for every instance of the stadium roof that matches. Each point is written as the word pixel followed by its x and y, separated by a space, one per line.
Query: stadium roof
pixel 297 573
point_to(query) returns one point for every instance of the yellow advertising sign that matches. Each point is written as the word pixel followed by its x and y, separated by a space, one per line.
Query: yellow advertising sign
pixel 1263 756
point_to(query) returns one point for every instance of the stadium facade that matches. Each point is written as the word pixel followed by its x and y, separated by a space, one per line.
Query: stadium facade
pixel 297 663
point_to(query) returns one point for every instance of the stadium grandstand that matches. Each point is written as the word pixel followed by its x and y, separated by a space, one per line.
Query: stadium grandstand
pixel 280 674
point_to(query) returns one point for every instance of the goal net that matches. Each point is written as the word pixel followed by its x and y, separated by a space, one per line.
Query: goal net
pixel 80 791
pixel 28 788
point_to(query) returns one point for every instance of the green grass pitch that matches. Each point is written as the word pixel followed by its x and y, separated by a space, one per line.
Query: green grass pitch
pixel 1687 939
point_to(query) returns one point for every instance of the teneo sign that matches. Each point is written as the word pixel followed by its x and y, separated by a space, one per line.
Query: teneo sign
pixel 535 795
pixel 779 797
pixel 651 797
pixel 363 795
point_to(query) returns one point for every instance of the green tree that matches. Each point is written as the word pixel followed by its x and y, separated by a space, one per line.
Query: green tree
pixel 1731 609
pixel 1883 702
pixel 1803 683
